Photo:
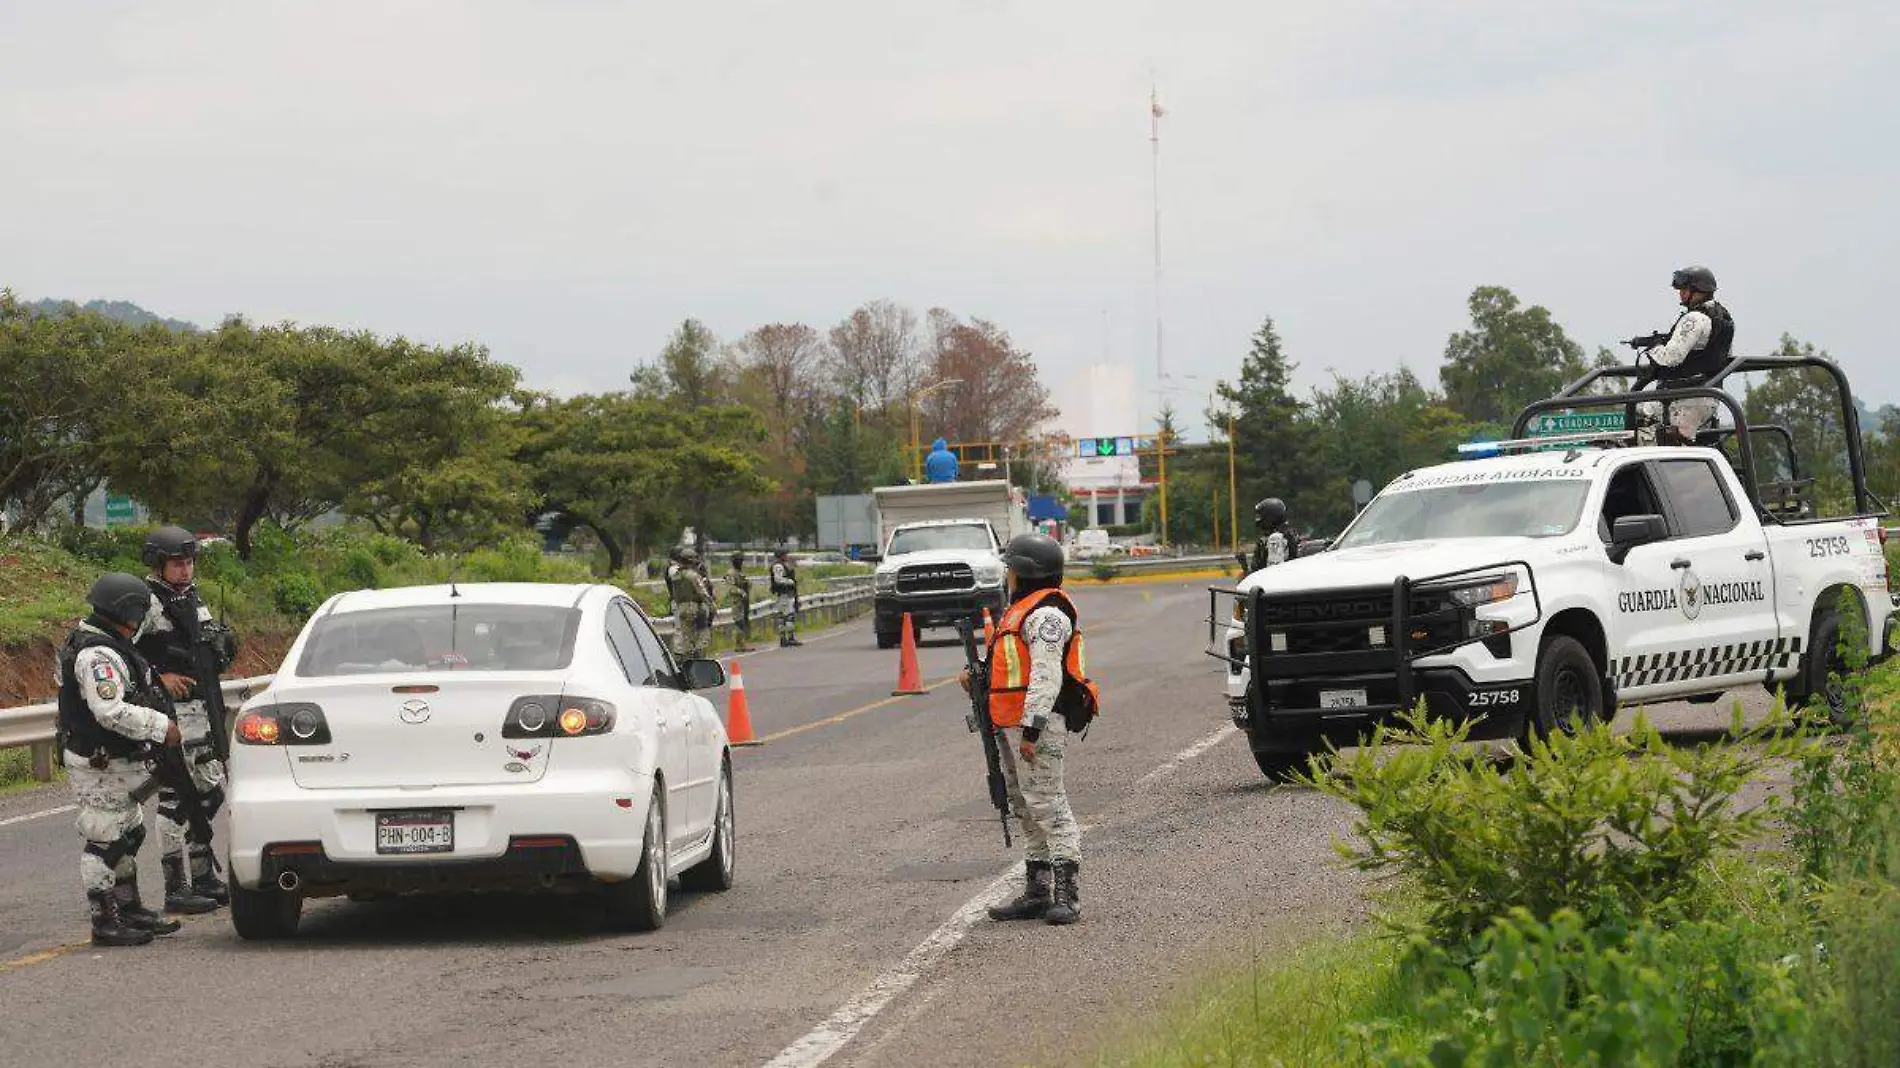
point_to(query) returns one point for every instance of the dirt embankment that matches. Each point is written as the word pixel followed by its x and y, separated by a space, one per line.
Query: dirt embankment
pixel 26 672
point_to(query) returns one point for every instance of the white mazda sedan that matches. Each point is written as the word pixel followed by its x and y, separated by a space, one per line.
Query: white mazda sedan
pixel 501 736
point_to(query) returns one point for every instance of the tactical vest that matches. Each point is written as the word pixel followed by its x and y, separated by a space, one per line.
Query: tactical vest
pixel 683 585
pixel 790 582
pixel 1703 364
pixel 175 652
pixel 82 730
pixel 1009 666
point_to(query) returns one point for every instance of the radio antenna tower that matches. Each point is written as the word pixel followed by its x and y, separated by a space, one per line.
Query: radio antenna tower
pixel 1154 141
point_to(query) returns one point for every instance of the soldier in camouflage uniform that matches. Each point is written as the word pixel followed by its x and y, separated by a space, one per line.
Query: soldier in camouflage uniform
pixel 692 601
pixel 739 597
pixel 190 650
pixel 784 583
pixel 112 708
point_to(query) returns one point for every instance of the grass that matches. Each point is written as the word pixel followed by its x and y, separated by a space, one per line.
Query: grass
pixel 45 588
pixel 1299 1009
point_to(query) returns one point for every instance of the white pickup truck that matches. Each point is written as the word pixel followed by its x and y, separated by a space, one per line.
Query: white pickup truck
pixel 1534 588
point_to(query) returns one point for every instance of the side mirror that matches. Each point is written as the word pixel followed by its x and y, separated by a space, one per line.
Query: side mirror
pixel 703 674
pixel 1632 530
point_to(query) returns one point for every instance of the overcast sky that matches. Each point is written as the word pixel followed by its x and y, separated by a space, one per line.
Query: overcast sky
pixel 564 182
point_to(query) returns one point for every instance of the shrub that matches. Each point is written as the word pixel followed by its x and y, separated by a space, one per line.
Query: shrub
pixel 1608 826
pixel 1104 570
pixel 296 594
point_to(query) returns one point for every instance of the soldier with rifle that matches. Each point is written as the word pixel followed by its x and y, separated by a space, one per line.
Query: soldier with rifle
pixel 190 651
pixel 112 712
pixel 1029 698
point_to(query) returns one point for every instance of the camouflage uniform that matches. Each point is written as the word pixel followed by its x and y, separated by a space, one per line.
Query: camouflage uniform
pixel 784 583
pixel 181 637
pixel 739 597
pixel 111 709
pixel 1041 800
pixel 692 602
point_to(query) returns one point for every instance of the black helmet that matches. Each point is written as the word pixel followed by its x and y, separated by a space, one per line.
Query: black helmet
pixel 120 598
pixel 1033 556
pixel 1700 279
pixel 738 560
pixel 168 543
pixel 1270 512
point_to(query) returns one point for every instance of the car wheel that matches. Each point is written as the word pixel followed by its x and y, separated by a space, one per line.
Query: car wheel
pixel 1280 767
pixel 265 915
pixel 715 872
pixel 639 903
pixel 1820 684
pixel 1569 689
pixel 887 639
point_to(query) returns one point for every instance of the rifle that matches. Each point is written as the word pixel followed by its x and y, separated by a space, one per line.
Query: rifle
pixel 1000 762
pixel 169 769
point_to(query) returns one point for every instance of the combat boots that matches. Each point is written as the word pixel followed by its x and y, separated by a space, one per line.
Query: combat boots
pixel 180 898
pixel 1067 906
pixel 134 914
pixel 108 927
pixel 1034 902
pixel 204 876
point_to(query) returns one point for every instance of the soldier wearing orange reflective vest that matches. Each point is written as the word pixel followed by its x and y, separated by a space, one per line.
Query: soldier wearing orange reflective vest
pixel 1040 697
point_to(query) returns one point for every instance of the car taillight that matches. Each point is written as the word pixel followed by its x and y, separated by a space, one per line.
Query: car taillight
pixel 551 716
pixel 293 723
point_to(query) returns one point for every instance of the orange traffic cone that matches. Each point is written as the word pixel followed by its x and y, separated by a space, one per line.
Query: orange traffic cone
pixel 909 679
pixel 738 717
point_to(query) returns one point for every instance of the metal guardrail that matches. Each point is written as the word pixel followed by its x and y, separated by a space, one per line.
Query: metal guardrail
pixel 1135 565
pixel 32 725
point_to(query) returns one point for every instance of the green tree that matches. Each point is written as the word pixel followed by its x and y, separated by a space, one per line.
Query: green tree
pixel 595 462
pixel 1806 402
pixel 1270 434
pixel 690 370
pixel 1510 357
pixel 1373 428
pixel 59 370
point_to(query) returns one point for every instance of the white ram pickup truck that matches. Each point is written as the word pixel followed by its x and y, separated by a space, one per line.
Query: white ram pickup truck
pixel 1528 591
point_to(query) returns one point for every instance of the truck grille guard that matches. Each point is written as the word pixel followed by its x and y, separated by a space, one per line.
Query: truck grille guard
pixel 1442 624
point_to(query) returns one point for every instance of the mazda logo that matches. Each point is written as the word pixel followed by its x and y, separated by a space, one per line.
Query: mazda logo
pixel 415 711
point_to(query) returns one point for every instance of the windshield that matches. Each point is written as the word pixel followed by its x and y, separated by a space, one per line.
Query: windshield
pixel 918 539
pixel 470 637
pixel 1545 508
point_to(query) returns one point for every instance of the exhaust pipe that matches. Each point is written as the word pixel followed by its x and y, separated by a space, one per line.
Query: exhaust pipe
pixel 289 881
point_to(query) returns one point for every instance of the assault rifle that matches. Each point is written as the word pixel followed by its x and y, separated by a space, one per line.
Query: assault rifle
pixel 1001 764
pixel 170 767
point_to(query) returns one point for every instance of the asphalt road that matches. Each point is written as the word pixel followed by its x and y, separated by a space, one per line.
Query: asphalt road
pixel 866 850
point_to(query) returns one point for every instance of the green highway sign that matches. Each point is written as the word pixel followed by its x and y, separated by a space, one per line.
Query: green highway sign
pixel 120 511
pixel 1546 426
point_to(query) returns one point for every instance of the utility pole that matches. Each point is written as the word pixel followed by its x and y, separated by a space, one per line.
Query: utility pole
pixel 1154 141
pixel 1233 484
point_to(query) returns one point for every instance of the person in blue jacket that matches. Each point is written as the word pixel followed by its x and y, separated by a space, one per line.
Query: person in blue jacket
pixel 941 464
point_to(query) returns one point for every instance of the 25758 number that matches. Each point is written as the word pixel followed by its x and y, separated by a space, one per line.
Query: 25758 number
pixel 1820 548
pixel 1489 698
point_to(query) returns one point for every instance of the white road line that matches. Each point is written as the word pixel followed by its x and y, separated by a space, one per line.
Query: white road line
pixel 11 820
pixel 829 1037
pixel 842 1026
pixel 1186 755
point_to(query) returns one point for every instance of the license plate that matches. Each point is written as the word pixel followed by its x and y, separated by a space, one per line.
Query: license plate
pixel 1343 699
pixel 415 832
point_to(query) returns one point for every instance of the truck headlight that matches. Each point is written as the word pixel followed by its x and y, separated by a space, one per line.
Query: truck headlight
pixel 884 582
pixel 1488 590
pixel 989 574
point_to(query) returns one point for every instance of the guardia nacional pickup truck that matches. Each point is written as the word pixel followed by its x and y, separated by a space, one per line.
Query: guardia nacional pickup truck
pixel 1546 580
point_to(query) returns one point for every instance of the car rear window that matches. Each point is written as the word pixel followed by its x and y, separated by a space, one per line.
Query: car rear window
pixel 461 637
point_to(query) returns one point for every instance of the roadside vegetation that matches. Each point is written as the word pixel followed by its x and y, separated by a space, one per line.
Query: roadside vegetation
pixel 1601 899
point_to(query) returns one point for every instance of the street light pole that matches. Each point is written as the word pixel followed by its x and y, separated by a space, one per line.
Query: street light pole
pixel 916 445
pixel 1233 482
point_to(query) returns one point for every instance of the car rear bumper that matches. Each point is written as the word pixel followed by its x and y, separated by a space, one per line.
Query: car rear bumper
pixel 601 814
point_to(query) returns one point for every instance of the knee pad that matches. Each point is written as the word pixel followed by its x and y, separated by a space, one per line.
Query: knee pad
pixel 133 840
pixel 213 801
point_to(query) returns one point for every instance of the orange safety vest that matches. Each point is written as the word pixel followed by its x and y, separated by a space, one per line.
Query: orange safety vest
pixel 1009 661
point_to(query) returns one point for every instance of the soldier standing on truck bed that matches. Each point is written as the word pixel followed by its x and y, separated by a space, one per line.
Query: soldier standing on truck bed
pixel 1688 355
